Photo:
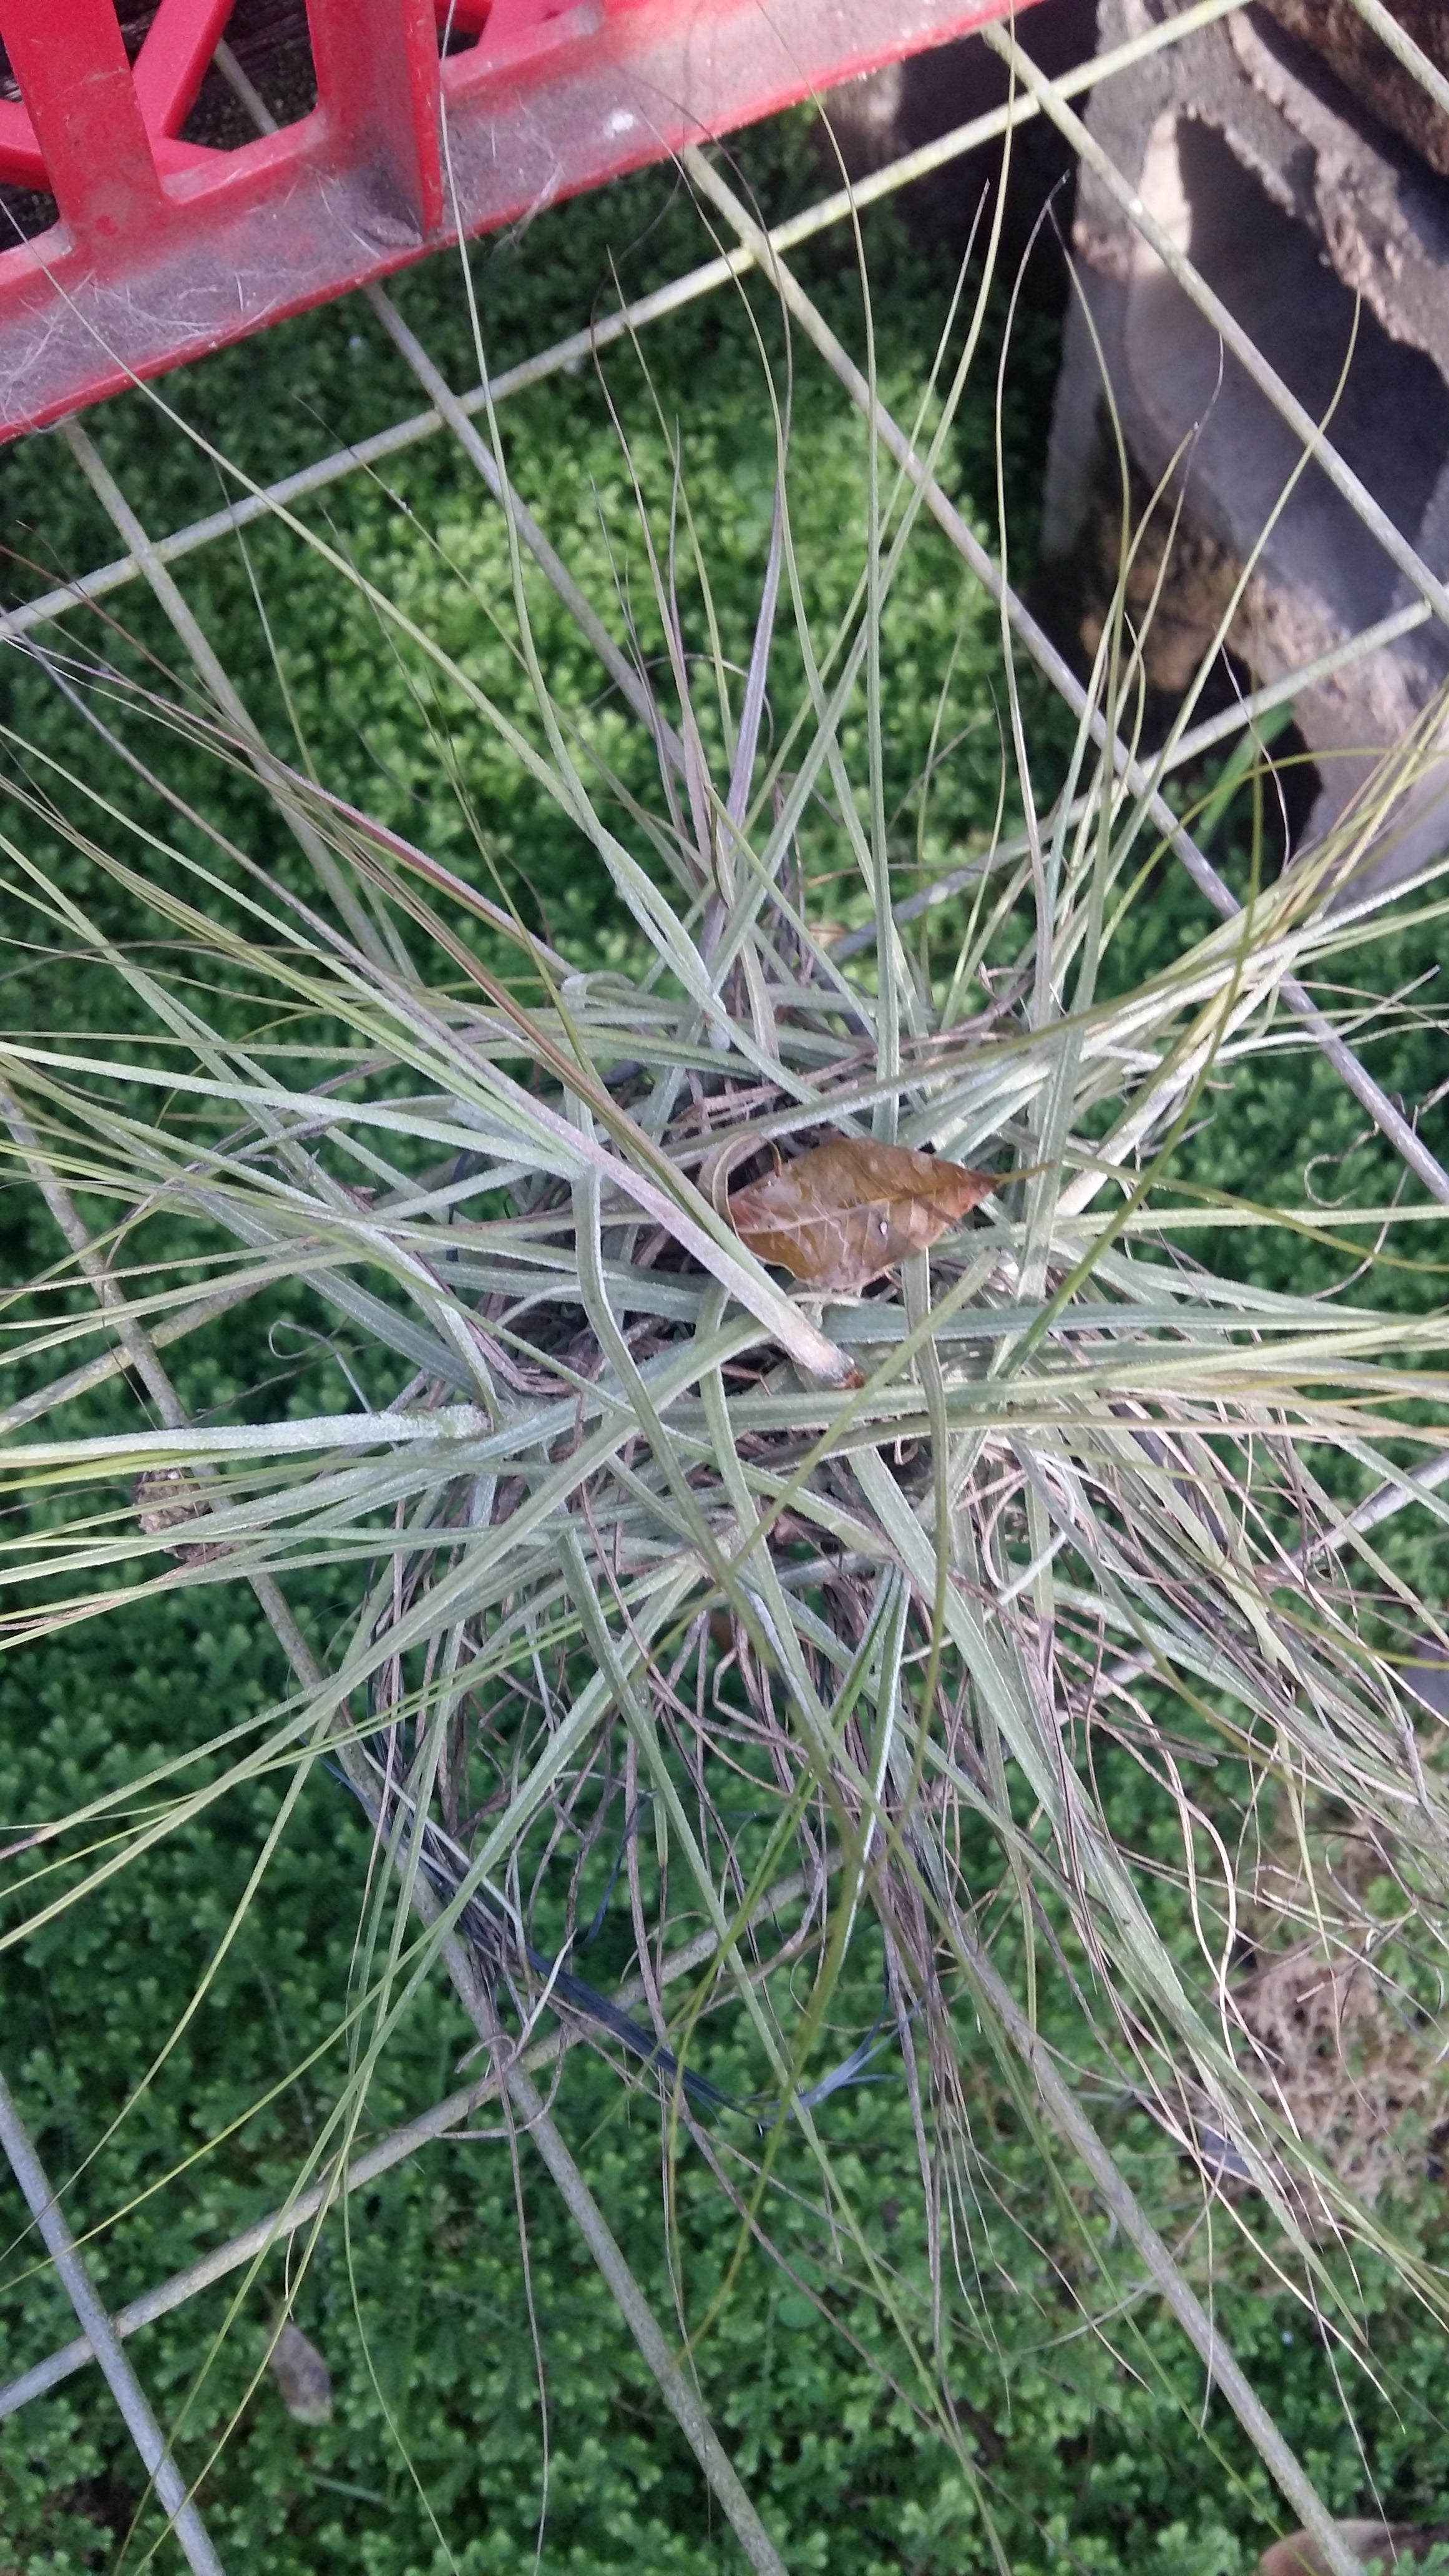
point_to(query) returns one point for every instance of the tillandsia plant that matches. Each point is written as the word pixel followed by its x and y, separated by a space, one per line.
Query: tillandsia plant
pixel 796 1491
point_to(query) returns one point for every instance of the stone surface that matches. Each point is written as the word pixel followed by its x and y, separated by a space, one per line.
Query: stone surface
pixel 1293 203
pixel 1334 30
pixel 1374 2544
pixel 890 112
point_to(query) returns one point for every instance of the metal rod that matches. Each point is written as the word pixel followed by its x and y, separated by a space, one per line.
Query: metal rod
pixel 280 2225
pixel 121 2379
pixel 1306 429
pixel 1404 50
pixel 1188 746
pixel 1390 1120
pixel 216 680
pixel 671 2375
pixel 579 346
pixel 996 121
pixel 1377 1507
pixel 1280 693
pixel 480 455
pixel 102 2336
pixel 1381 1504
pixel 1073 2125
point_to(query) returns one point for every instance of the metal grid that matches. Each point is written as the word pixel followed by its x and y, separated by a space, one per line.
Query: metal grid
pixel 150 560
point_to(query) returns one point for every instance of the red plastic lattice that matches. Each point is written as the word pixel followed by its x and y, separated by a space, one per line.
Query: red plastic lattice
pixel 164 247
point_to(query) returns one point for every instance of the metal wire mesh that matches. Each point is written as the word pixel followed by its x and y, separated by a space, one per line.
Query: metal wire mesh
pixel 152 560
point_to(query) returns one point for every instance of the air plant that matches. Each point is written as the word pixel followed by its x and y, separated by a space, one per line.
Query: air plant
pixel 792 1457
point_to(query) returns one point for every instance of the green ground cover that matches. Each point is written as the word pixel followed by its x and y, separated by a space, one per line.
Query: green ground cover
pixel 440 2453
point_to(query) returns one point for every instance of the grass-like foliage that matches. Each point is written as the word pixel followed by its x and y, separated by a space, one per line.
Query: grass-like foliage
pixel 952 1688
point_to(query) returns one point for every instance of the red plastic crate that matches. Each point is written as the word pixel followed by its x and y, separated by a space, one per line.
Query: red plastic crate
pixel 165 248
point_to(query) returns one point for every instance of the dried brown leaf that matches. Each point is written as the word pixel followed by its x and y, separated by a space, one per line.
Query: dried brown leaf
pixel 846 1212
